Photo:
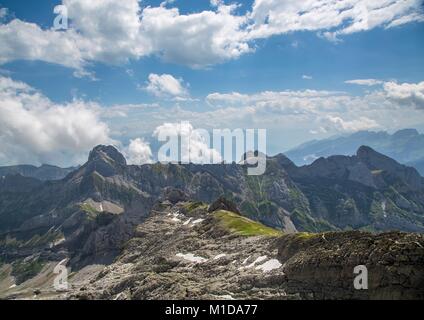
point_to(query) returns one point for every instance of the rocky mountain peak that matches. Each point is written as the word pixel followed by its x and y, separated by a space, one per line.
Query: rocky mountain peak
pixel 104 160
pixel 366 152
pixel 376 160
pixel 223 204
pixel 107 153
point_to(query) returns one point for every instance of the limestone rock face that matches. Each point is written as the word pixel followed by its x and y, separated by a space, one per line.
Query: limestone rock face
pixel 18 183
pixel 174 195
pixel 321 266
pixel 105 160
pixel 107 153
pixel 377 161
pixel 223 204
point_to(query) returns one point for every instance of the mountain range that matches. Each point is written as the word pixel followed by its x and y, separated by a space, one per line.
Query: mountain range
pixel 44 172
pixel 406 146
pixel 108 220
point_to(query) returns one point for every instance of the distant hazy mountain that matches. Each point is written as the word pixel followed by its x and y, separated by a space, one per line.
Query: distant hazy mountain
pixel 405 146
pixel 44 172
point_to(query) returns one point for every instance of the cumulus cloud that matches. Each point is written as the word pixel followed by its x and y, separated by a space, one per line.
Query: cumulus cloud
pixel 306 77
pixel 194 145
pixel 166 86
pixel 138 152
pixel 114 32
pixel 35 130
pixel 198 39
pixel 411 94
pixel 292 113
pixel 318 112
pixel 110 30
pixel 331 18
pixel 362 123
pixel 27 41
pixel 291 117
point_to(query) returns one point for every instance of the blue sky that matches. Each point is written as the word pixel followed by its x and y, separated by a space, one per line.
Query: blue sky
pixel 291 80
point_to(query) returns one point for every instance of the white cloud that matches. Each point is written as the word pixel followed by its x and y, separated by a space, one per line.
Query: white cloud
pixel 195 146
pixel 411 94
pixel 413 17
pixel 282 102
pixel 333 18
pixel 35 130
pixel 362 123
pixel 291 114
pixel 114 32
pixel 365 82
pixel 138 152
pixel 291 117
pixel 306 77
pixel 110 30
pixel 321 112
pixel 198 39
pixel 216 3
pixel 166 86
pixel 27 41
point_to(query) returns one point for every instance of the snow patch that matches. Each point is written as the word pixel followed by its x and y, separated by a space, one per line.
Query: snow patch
pixel 245 260
pixel 197 221
pixel 260 259
pixel 383 207
pixel 63 262
pixel 225 297
pixel 58 242
pixel 176 216
pixel 119 296
pixel 187 222
pixel 191 257
pixel 269 265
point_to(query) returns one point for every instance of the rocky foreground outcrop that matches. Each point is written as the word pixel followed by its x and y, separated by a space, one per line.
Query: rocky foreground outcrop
pixel 182 251
pixel 320 266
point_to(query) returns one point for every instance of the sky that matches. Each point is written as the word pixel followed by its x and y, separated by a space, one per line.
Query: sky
pixel 125 72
